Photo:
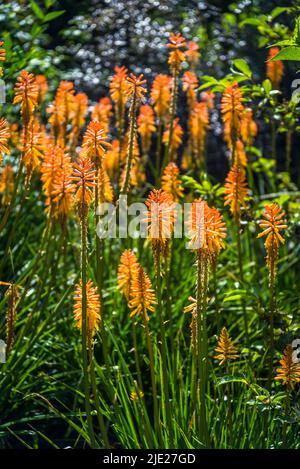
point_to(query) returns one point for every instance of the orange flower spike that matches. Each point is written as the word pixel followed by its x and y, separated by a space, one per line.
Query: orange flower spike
pixel 189 84
pixel 32 147
pixel 289 371
pixel 4 137
pixel 176 137
pixel 95 141
pixel 271 225
pixel 84 178
pixel 206 228
pixel 161 95
pixel 65 96
pixel 62 193
pixel 274 68
pixel 111 160
pixel 225 348
pixel 102 112
pixel 232 109
pixel 171 183
pixel 240 154
pixel 161 218
pixel 236 191
pixel 248 127
pixel 26 93
pixel 50 165
pixel 92 308
pixel 177 56
pixel 135 88
pixel 127 272
pixel 6 184
pixel 142 295
pixel 192 53
pixel 105 189
pixel 42 84
pixel 2 52
pixel 118 86
pixel 208 97
pixel 79 111
pixel 146 126
pixel 199 123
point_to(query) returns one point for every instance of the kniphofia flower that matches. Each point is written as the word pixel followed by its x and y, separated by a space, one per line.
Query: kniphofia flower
pixel 236 191
pixel 189 84
pixel 161 95
pixel 208 97
pixel 146 126
pixel 171 183
pixel 2 51
pixel 289 371
pixel 105 189
pixel 142 295
pixel 84 178
pixel 232 109
pixel 6 184
pixel 274 68
pixel 62 193
pixel 32 147
pixel 206 228
pixel 198 125
pixel 225 348
pixel 192 52
pixel 272 223
pixel 248 127
pixel 176 138
pixel 161 218
pixel 92 308
pixel 42 85
pixel 102 113
pixel 111 160
pixel 4 137
pixel 177 56
pixel 95 141
pixel 127 272
pixel 135 87
pixel 80 106
pixel 26 93
pixel 118 86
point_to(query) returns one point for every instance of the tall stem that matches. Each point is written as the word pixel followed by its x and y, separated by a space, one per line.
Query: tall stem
pixel 166 399
pixel 240 260
pixel 153 381
pixel 167 155
pixel 84 322
pixel 132 132
pixel 158 152
pixel 202 343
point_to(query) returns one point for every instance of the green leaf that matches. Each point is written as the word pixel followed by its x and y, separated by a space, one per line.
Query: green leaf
pixel 277 11
pixel 288 53
pixel 267 85
pixel 231 379
pixel 37 10
pixel 54 14
pixel 243 67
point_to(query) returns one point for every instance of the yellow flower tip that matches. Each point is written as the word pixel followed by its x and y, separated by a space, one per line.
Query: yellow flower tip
pixel 275 68
pixel 93 308
pixel 127 272
pixel 136 395
pixel 236 191
pixel 171 183
pixel 289 371
pixel 225 348
pixel 142 295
